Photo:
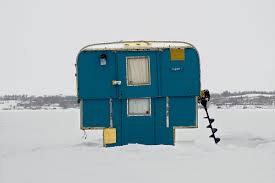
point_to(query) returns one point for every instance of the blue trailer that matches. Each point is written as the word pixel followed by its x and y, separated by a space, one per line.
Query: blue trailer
pixel 138 91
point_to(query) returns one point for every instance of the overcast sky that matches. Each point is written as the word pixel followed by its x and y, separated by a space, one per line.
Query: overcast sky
pixel 39 40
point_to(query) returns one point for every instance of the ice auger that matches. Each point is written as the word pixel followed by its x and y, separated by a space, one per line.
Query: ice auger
pixel 203 99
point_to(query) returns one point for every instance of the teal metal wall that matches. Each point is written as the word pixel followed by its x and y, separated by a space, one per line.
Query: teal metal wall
pixel 178 80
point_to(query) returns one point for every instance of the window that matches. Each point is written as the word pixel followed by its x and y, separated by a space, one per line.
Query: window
pixel 138 71
pixel 139 107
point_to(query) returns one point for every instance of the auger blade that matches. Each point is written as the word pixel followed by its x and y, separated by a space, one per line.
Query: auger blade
pixel 212 136
pixel 209 126
pixel 217 140
pixel 211 120
pixel 214 130
pixel 205 117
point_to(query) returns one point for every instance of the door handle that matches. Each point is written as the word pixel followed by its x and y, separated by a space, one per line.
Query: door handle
pixel 115 82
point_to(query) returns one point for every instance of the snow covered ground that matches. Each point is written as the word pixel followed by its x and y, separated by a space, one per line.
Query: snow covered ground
pixel 46 147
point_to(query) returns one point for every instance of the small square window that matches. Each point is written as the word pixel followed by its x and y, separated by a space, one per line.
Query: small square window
pixel 139 107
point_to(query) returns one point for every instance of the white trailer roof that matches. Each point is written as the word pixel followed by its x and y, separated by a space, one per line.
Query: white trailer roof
pixel 137 45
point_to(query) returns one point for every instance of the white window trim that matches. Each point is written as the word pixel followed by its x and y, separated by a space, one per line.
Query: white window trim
pixel 150 107
pixel 149 74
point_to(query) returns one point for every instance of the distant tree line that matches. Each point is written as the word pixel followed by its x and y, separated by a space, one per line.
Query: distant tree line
pixel 238 98
pixel 228 93
pixel 65 102
pixel 36 102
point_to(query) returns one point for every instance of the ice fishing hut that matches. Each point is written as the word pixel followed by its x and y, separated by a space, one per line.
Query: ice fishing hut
pixel 138 91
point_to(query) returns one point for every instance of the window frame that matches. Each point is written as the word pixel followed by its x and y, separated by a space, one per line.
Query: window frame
pixel 149 71
pixel 141 114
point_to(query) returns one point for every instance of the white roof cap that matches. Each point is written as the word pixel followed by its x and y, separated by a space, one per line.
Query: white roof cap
pixel 137 45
